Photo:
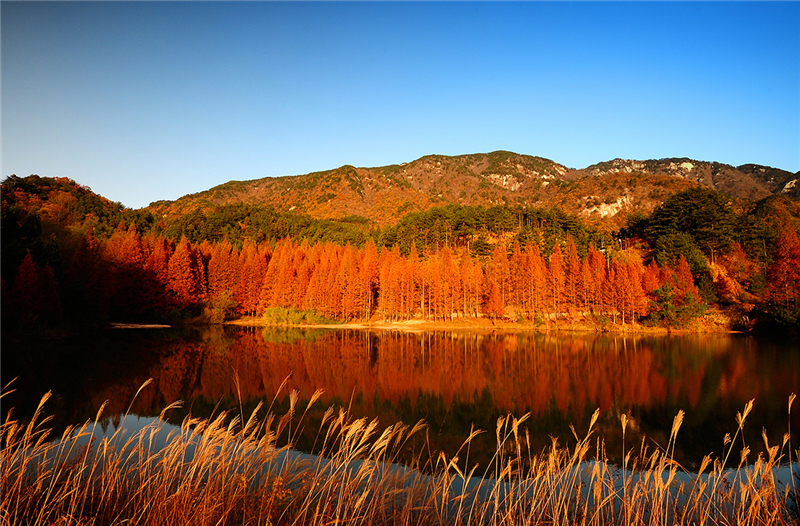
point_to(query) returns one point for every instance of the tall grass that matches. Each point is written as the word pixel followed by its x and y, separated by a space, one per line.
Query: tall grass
pixel 233 470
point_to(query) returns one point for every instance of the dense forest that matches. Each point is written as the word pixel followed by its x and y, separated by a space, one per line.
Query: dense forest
pixel 71 257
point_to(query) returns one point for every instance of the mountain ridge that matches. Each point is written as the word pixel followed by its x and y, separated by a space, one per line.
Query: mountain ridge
pixel 383 194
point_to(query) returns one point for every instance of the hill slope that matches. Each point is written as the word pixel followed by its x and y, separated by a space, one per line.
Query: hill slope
pixel 384 194
pixel 749 181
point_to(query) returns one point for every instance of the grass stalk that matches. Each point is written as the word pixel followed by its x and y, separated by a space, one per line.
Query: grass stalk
pixel 231 470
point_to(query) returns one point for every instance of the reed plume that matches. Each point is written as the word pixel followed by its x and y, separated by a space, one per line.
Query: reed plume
pixel 240 469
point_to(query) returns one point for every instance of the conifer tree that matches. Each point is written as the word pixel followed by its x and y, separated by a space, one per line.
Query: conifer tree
pixel 347 284
pixel 739 266
pixel 390 284
pixel 597 264
pixel 271 285
pixel 127 283
pixel 500 269
pixel 784 273
pixel 638 298
pixel 333 299
pixel 469 284
pixel 252 268
pixel 185 275
pixel 518 276
pixel 451 285
pixel 283 280
pixel 411 279
pixel 538 279
pixel 369 277
pixel 586 284
pixel 85 278
pixel 618 278
pixel 572 274
pixel 27 299
pixel 315 293
pixel 684 279
pixel 556 280
pixel 157 251
pixel 651 278
pixel 221 269
pixel 52 309
pixel 302 275
pixel 609 294
pixel 494 302
pixel 434 303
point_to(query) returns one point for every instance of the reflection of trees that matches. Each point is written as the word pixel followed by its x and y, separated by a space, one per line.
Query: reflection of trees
pixel 519 373
pixel 522 372
pixel 451 379
pixel 172 374
pixel 454 380
pixel 449 375
pixel 177 370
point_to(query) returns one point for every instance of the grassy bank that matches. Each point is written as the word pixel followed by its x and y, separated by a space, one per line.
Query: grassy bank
pixel 717 322
pixel 239 469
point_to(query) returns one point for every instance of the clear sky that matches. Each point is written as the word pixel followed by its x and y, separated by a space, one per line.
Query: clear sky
pixel 148 101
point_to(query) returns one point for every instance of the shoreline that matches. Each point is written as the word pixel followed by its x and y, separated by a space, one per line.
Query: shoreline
pixel 483 324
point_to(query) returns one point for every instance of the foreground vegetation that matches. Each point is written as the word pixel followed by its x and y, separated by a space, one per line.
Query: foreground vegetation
pixel 239 470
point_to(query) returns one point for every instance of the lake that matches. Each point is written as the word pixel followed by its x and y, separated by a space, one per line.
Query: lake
pixel 452 379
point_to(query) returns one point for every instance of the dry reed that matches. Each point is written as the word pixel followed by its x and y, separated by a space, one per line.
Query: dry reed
pixel 231 470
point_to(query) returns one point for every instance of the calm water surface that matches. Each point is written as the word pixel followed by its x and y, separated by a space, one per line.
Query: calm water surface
pixel 452 380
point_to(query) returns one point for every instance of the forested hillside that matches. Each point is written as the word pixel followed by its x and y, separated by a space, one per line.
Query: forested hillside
pixel 71 257
pixel 603 191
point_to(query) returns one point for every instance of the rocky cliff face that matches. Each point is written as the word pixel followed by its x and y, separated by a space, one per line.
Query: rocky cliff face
pixel 749 181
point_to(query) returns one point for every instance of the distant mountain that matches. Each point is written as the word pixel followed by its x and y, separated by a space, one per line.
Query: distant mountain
pixel 749 181
pixel 384 194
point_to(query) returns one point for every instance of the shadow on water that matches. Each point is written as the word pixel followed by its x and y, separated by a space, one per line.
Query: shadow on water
pixel 452 380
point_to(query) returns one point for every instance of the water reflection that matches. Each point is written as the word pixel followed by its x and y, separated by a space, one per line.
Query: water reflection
pixel 451 379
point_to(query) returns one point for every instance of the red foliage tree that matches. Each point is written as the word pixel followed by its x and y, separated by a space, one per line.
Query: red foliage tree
pixel 651 278
pixel 555 279
pixel 368 278
pixel 85 278
pixel 740 268
pixel 597 264
pixel 347 285
pixel 272 285
pixel 586 285
pixel 784 273
pixel 34 300
pixel 499 268
pixel 538 279
pixel 493 305
pixel 128 282
pixel 185 275
pixel 222 269
pixel 451 282
pixel 684 280
pixel 26 300
pixel 572 275
pixel 638 297
pixel 518 278
pixel 315 292
pixel 470 275
pixel 253 262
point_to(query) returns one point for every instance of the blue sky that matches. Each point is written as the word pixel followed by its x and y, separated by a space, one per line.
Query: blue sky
pixel 148 101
